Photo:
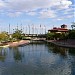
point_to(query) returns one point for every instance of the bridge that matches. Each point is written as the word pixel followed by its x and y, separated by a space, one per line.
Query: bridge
pixel 35 35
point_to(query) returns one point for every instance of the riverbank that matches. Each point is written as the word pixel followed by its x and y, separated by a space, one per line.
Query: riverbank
pixel 17 43
pixel 63 43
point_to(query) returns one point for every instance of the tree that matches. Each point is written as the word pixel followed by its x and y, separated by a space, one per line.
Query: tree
pixel 57 36
pixel 50 36
pixel 4 36
pixel 17 34
pixel 73 25
pixel 71 34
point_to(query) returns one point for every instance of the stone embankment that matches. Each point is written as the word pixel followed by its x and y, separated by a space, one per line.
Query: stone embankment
pixel 63 43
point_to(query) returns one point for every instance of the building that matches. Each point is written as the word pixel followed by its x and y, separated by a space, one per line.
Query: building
pixel 63 29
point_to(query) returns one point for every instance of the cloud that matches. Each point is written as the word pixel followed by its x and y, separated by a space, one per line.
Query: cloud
pixel 65 4
pixel 34 4
pixel 47 13
pixel 27 6
pixel 2 4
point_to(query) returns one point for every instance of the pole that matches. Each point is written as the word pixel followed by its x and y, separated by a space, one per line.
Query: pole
pixel 26 29
pixel 29 28
pixel 21 27
pixel 9 28
pixel 17 26
pixel 32 29
pixel 40 28
pixel 45 29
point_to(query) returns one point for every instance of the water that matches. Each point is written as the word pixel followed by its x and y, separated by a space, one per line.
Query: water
pixel 37 59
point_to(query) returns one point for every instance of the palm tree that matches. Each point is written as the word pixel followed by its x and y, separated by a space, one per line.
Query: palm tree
pixel 73 25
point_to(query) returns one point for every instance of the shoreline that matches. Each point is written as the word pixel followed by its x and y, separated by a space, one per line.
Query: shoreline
pixel 17 43
pixel 61 43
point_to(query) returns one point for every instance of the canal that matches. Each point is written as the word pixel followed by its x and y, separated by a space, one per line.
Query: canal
pixel 37 59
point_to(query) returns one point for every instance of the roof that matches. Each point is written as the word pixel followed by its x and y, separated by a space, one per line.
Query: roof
pixel 59 29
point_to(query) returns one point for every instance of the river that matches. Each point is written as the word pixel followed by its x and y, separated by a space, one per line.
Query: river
pixel 37 59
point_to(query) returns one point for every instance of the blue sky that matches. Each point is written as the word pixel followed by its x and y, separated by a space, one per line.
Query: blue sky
pixel 48 13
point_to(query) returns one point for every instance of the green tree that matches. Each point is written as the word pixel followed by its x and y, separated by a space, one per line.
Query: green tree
pixel 4 36
pixel 17 34
pixel 57 35
pixel 50 36
pixel 71 34
pixel 73 25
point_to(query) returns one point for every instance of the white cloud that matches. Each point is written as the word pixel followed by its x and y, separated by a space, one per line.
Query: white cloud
pixel 66 3
pixel 2 4
pixel 47 14
pixel 27 5
pixel 34 5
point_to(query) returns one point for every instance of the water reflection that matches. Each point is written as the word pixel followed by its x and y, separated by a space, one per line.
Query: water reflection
pixel 2 54
pixel 17 54
pixel 68 53
pixel 58 50
pixel 61 50
pixel 72 51
pixel 37 59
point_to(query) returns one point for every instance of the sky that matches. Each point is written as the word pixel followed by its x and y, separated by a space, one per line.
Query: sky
pixel 47 13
